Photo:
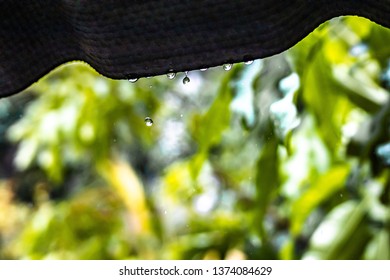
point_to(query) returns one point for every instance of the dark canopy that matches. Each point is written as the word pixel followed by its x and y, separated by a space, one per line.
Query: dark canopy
pixel 131 39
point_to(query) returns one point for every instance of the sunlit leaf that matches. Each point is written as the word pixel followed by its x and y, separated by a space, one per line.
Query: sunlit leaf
pixel 318 192
pixel 126 182
pixel 343 234
pixel 379 247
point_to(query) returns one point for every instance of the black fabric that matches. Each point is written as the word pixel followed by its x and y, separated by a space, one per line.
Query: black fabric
pixel 133 39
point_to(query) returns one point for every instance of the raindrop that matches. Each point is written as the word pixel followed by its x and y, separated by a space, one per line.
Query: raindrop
pixel 203 69
pixel 186 79
pixel 249 62
pixel 148 121
pixel 171 75
pixel 132 80
pixel 227 66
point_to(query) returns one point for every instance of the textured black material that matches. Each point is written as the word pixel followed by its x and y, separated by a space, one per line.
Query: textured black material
pixel 138 38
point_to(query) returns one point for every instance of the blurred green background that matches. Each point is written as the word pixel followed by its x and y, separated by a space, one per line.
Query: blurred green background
pixel 283 158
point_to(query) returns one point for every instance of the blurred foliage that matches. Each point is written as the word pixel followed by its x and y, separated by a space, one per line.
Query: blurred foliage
pixel 285 158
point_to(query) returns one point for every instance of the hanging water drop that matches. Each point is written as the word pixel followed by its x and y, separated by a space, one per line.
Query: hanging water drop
pixel 171 75
pixel 132 80
pixel 249 62
pixel 203 69
pixel 148 121
pixel 227 66
pixel 186 79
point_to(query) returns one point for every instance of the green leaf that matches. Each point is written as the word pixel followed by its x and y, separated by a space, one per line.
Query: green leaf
pixel 179 182
pixel 207 129
pixel 319 191
pixel 343 234
pixel 267 178
pixel 379 40
pixel 300 55
pixel 379 247
pixel 321 96
pixel 359 88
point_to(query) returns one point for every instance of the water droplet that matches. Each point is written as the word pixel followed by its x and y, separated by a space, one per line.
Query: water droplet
pixel 171 75
pixel 132 80
pixel 203 69
pixel 148 121
pixel 227 66
pixel 186 79
pixel 249 62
